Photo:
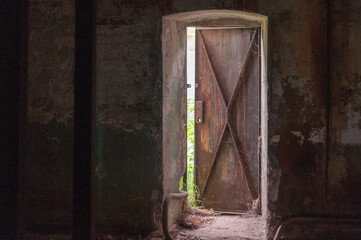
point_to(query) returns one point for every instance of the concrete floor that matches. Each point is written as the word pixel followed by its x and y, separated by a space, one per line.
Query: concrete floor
pixel 227 227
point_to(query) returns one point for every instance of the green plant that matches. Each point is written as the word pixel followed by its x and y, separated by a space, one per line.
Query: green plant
pixel 192 189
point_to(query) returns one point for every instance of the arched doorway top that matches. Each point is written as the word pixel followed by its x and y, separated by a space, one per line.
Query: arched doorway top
pixel 218 18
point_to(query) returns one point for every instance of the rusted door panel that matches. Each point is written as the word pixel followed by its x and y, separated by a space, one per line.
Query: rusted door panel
pixel 227 188
pixel 227 61
pixel 245 116
pixel 214 112
pixel 227 166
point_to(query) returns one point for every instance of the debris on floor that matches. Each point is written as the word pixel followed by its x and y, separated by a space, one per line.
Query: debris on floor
pixel 195 217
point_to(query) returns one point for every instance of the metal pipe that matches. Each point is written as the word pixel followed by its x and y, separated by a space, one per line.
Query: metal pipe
pixel 180 195
pixel 299 220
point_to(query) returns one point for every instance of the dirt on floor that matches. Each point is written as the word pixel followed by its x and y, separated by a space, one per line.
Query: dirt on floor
pixel 195 224
pixel 226 227
pixel 195 217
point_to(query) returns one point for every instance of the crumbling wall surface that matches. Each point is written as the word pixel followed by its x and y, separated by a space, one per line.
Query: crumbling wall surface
pixel 297 76
pixel 46 169
pixel 302 181
pixel 344 166
pixel 128 182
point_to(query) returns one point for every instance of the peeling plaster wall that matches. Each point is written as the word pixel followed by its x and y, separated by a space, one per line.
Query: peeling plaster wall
pixel 302 181
pixel 344 167
pixel 46 169
pixel 298 104
pixel 129 179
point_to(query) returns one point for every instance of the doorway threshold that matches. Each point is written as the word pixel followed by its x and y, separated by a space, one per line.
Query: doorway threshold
pixel 239 213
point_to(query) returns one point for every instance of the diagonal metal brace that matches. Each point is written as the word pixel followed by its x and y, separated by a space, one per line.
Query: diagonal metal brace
pixel 227 123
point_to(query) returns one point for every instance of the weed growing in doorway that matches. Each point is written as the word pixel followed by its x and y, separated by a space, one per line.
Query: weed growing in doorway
pixel 192 189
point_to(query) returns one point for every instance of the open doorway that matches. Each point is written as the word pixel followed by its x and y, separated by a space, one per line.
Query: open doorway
pixel 223 130
pixel 229 93
pixel 226 115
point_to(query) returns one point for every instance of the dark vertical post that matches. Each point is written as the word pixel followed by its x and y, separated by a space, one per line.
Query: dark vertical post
pixel 22 114
pixel 328 95
pixel 83 120
pixel 10 78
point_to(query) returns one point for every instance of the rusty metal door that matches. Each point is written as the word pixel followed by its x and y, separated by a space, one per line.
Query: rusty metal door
pixel 227 117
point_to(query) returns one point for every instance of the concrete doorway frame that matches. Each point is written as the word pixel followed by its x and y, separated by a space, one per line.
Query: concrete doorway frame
pixel 174 46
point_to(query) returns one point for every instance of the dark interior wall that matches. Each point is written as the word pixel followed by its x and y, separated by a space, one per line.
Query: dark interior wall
pixel 297 74
pixel 46 169
pixel 128 116
pixel 314 76
pixel 10 78
pixel 344 167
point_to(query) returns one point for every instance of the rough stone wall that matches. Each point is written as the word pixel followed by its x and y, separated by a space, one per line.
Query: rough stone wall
pixel 344 167
pixel 46 170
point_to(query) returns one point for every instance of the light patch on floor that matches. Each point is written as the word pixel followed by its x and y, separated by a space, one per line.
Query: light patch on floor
pixel 227 227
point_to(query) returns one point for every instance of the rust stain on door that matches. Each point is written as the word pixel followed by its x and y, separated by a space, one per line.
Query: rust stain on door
pixel 226 138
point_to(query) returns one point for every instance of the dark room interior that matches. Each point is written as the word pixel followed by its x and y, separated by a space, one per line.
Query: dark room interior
pixel 93 118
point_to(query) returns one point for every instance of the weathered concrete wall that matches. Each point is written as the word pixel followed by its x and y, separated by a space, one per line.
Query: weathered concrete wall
pixel 303 182
pixel 46 169
pixel 128 115
pixel 344 167
pixel 297 74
